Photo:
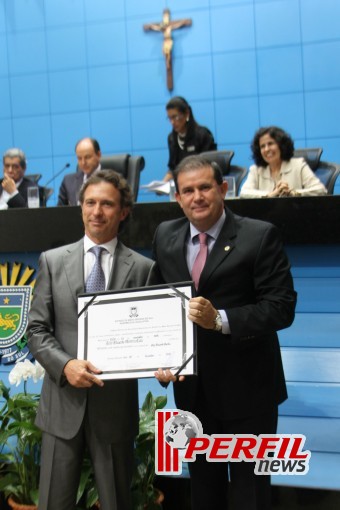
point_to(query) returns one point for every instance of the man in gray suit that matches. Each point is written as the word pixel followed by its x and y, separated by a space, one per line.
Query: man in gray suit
pixel 77 409
pixel 88 156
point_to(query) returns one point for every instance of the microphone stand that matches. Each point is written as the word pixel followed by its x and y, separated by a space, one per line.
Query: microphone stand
pixel 53 179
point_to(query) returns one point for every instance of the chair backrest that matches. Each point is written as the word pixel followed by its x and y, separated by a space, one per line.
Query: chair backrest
pixel 47 194
pixel 325 171
pixel 33 177
pixel 328 174
pixel 222 158
pixel 239 172
pixel 128 166
pixel 311 156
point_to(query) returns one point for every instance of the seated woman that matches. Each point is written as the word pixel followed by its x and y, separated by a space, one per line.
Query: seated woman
pixel 187 137
pixel 276 172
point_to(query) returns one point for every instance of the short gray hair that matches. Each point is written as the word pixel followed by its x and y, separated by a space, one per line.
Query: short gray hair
pixel 16 153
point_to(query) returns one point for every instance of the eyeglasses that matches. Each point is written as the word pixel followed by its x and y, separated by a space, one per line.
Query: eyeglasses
pixel 175 118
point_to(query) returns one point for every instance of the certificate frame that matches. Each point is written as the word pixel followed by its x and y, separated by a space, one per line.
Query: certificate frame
pixel 132 332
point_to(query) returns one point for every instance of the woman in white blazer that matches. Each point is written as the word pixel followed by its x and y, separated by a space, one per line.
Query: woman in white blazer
pixel 276 172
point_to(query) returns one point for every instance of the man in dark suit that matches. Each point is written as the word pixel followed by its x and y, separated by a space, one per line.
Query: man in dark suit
pixel 88 156
pixel 14 185
pixel 244 295
pixel 76 408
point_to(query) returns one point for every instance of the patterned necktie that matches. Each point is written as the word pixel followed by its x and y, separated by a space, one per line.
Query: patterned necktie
pixel 96 279
pixel 201 258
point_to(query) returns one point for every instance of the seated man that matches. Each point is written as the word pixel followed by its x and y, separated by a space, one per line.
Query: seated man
pixel 13 186
pixel 88 156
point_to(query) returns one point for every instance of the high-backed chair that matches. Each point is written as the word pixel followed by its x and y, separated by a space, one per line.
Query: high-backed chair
pixel 327 172
pixel 33 177
pixel 48 192
pixel 129 166
pixel 223 158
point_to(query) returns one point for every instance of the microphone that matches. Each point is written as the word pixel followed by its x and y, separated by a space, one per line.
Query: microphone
pixel 46 192
pixel 57 174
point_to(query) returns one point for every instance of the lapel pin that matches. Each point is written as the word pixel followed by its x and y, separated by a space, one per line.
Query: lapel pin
pixel 227 248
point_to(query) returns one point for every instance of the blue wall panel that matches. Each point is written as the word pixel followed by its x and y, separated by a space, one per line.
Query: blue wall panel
pixel 282 14
pixel 26 52
pixel 235 74
pixel 284 110
pixel 30 95
pixel 64 12
pixel 113 129
pixel 109 86
pixel 280 70
pixel 318 74
pixel 25 15
pixel 69 91
pixel 319 20
pixel 322 114
pixel 232 28
pixel 33 133
pixel 67 129
pixel 6 133
pixel 106 43
pixel 312 330
pixel 234 122
pixel 5 103
pixel 3 55
pixel 66 48
pixel 102 10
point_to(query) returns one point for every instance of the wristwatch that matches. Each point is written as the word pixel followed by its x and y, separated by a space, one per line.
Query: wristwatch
pixel 218 322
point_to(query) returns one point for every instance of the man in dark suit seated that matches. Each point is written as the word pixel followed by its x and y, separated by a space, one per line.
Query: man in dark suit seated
pixel 88 156
pixel 245 295
pixel 14 185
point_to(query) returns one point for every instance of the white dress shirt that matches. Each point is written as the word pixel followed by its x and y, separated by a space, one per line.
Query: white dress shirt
pixel 192 249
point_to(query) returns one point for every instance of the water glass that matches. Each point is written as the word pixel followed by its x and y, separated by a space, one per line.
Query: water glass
pixel 231 192
pixel 33 197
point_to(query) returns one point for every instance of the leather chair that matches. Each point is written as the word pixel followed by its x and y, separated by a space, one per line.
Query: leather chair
pixel 223 158
pixel 33 177
pixel 327 172
pixel 129 166
pixel 47 194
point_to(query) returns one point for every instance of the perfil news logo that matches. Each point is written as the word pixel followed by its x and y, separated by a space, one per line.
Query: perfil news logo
pixel 179 438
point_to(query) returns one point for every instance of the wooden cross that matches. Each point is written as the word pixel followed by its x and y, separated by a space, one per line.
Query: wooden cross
pixel 166 27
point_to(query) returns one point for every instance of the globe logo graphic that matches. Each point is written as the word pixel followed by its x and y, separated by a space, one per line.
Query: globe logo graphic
pixel 179 429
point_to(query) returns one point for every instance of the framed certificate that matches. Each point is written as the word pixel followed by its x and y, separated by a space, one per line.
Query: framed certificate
pixel 133 332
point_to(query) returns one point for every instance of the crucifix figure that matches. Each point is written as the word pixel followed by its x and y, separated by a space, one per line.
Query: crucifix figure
pixel 166 27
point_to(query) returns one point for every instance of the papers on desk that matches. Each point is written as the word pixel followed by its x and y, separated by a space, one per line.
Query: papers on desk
pixel 158 187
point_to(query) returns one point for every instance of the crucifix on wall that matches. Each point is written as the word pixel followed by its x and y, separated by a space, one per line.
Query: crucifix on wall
pixel 166 27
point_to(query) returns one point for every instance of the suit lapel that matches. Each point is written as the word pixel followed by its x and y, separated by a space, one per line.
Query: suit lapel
pixel 73 261
pixel 224 245
pixel 77 184
pixel 122 265
pixel 178 241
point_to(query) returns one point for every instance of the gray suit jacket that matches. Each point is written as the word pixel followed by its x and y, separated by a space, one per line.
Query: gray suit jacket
pixel 52 339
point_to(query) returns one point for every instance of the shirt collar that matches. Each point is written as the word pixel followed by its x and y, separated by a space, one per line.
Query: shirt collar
pixel 110 246
pixel 213 231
